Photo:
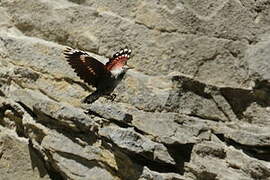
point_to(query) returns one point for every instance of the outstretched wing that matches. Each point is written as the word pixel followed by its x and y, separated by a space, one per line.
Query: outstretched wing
pixel 119 59
pixel 86 67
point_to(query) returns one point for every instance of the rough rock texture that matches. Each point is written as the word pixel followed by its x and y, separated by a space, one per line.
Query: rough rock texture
pixel 196 106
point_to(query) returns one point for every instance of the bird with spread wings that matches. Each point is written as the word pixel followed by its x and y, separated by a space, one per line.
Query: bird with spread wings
pixel 104 77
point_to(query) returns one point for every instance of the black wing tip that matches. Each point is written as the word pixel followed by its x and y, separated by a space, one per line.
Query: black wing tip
pixel 70 52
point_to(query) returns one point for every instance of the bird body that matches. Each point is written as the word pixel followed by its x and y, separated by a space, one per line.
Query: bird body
pixel 105 77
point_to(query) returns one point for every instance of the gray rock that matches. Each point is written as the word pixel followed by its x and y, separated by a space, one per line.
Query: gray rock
pixel 148 174
pixel 196 106
pixel 258 59
pixel 148 93
pixel 65 115
pixel 135 143
pixel 245 135
pixel 18 159
pixel 70 156
pixel 256 170
pixel 110 112
pixel 176 129
pixel 173 40
pixel 198 99
pixel 209 162
pixel 75 161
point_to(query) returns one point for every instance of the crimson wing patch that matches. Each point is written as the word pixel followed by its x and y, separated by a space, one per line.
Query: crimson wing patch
pixel 86 67
pixel 119 58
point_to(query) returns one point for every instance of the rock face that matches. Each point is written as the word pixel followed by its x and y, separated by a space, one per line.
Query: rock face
pixel 197 105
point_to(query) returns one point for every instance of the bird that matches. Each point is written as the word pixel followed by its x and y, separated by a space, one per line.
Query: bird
pixel 104 77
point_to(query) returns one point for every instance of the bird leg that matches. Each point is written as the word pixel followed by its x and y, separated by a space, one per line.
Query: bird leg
pixel 86 100
pixel 111 97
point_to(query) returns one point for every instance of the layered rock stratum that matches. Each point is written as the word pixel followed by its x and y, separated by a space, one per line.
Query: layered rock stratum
pixel 196 106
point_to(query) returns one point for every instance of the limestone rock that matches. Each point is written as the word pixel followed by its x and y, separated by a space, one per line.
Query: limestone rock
pixel 138 144
pixel 196 106
pixel 18 159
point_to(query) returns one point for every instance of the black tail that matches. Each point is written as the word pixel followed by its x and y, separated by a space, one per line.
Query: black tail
pixel 92 97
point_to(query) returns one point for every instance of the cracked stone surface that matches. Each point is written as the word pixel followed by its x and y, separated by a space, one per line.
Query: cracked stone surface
pixel 196 106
